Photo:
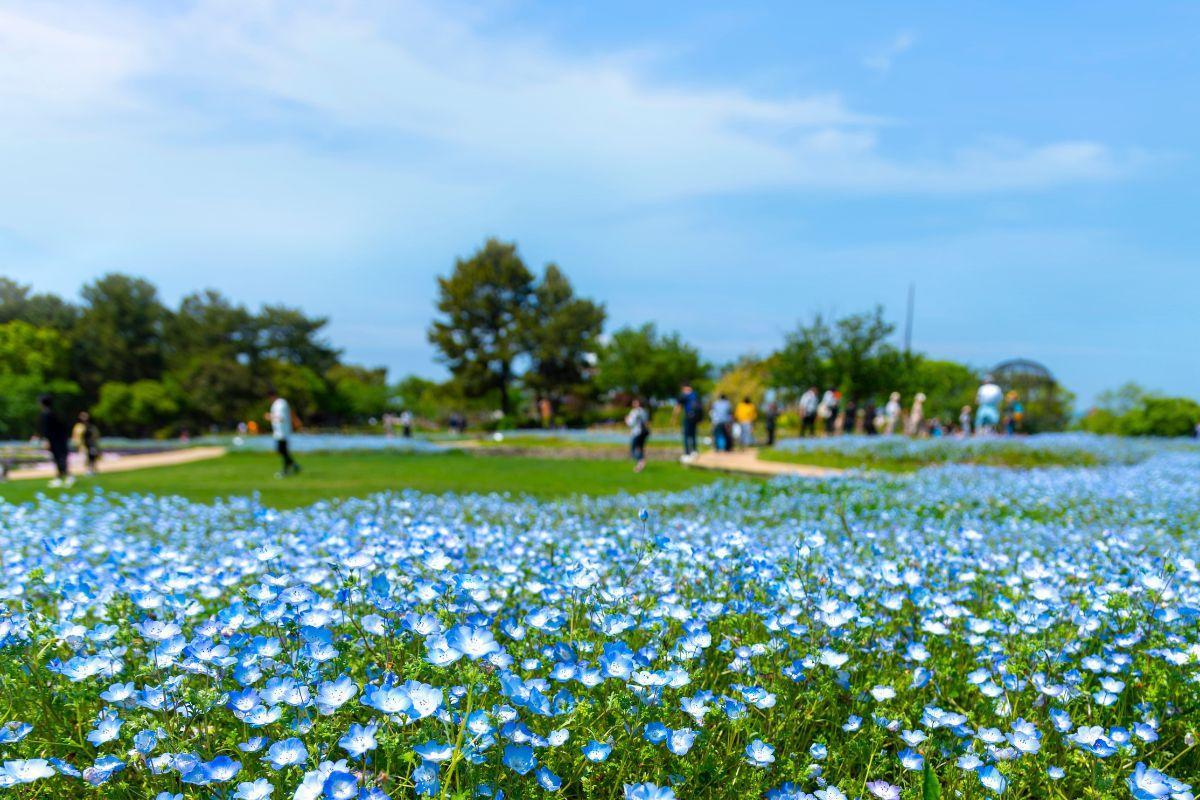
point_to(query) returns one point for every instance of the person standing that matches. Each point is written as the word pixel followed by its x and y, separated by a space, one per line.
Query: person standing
pixel 688 406
pixel 964 421
pixel 406 424
pixel 829 402
pixel 810 408
pixel 86 436
pixel 281 428
pixel 546 412
pixel 54 432
pixel 891 414
pixel 770 418
pixel 638 421
pixel 721 416
pixel 987 406
pixel 916 415
pixel 746 414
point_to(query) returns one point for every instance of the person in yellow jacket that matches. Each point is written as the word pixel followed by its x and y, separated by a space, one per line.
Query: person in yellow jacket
pixel 744 415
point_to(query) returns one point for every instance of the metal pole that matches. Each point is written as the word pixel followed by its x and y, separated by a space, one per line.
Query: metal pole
pixel 908 319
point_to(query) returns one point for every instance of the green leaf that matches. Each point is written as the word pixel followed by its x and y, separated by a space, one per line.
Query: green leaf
pixel 930 788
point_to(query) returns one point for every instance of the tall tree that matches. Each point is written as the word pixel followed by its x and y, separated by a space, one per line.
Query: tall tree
pixel 562 332
pixel 119 333
pixel 41 310
pixel 643 363
pixel 289 335
pixel 485 303
pixel 802 361
pixel 209 323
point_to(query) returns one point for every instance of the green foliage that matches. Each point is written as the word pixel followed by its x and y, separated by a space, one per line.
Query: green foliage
pixel 33 361
pixel 144 407
pixel 39 310
pixel 1130 410
pixel 358 393
pixel 562 331
pixel 118 336
pixel 851 353
pixel 947 385
pixel 748 377
pixel 485 303
pixel 640 362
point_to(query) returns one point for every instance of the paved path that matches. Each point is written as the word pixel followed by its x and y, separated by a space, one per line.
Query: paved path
pixel 747 462
pixel 118 463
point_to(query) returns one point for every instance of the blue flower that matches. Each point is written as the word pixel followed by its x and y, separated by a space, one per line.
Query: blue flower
pixel 286 753
pixel 760 754
pixel 519 758
pixel 648 791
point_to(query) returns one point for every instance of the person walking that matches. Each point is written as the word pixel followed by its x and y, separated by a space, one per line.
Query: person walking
pixel 282 424
pixel 86 436
pixel 638 420
pixel 829 402
pixel 721 416
pixel 688 406
pixel 770 419
pixel 810 408
pixel 54 432
pixel 746 414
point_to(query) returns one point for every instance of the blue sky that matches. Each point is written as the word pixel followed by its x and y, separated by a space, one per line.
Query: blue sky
pixel 722 169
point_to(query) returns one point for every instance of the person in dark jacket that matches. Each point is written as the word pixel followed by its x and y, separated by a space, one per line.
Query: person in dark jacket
pixel 54 431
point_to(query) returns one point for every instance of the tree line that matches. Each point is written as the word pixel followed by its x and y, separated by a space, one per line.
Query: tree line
pixel 145 369
pixel 513 341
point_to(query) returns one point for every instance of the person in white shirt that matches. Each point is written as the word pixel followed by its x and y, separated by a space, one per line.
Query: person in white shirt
pixel 987 406
pixel 891 414
pixel 808 412
pixel 281 428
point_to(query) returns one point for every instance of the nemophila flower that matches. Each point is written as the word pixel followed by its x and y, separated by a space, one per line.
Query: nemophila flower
pixel 818 751
pixel 340 785
pixel 107 728
pixel 260 789
pixel 359 739
pixel 425 779
pixel 519 758
pixel 597 751
pixel 332 695
pixel 830 793
pixel 472 641
pixel 13 732
pixel 911 760
pixel 1150 784
pixel 435 752
pixel 548 780
pixel 286 753
pixel 648 791
pixel 760 754
pixel 992 779
pixel 882 693
pixel 28 770
pixel 884 790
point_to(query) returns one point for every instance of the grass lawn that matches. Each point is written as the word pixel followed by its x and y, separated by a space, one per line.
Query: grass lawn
pixel 888 462
pixel 354 474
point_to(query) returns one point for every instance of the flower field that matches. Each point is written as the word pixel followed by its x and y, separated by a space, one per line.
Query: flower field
pixel 962 632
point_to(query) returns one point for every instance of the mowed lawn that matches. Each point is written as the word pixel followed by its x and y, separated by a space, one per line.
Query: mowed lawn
pixel 355 474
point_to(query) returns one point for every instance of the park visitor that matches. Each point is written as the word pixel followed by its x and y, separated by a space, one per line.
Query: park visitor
pixel 692 410
pixel 406 424
pixel 721 416
pixel 916 415
pixel 638 421
pixel 546 412
pixel 770 419
pixel 827 410
pixel 987 401
pixel 86 437
pixel 54 432
pixel 745 415
pixel 964 421
pixel 282 419
pixel 891 413
pixel 810 408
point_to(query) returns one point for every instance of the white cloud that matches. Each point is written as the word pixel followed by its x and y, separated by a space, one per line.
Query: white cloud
pixel 882 59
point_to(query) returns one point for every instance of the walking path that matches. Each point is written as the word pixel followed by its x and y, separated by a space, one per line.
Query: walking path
pixel 747 462
pixel 126 463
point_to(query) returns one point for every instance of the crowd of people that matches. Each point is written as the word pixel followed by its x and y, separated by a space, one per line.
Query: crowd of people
pixel 822 413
